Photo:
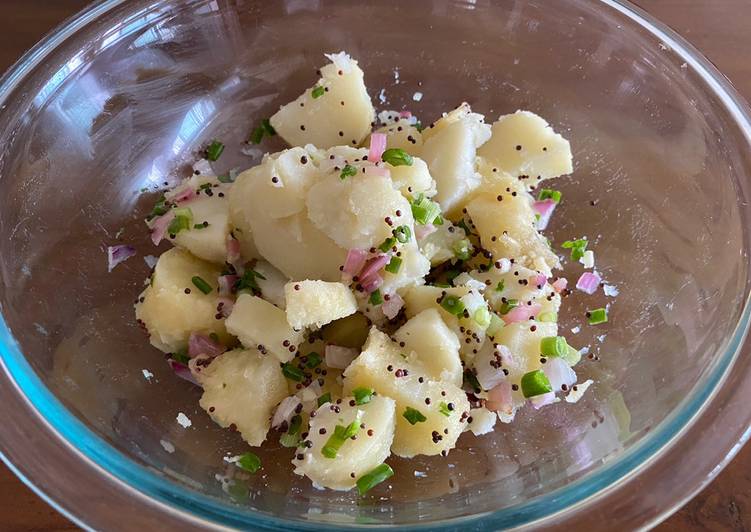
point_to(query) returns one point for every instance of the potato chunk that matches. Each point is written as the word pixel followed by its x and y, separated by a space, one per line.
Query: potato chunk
pixel 242 387
pixel 336 110
pixel 316 303
pixel 259 324
pixel 443 405
pixel 168 312
pixel 414 179
pixel 375 423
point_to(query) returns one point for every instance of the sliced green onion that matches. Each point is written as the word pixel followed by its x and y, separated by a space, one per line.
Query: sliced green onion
pixel 462 249
pixel 181 356
pixel 482 316
pixel 397 157
pixel 547 317
pixel 347 171
pixel 553 346
pixel 387 244
pixel 438 220
pixel 369 480
pixel 160 207
pixel 325 398
pixel 394 265
pixel 268 129
pixel 317 92
pixel 443 408
pixel 182 221
pixel 202 225
pixel 403 233
pixel 500 286
pixel 572 356
pixel 425 211
pixel 535 383
pixel 453 305
pixel 418 126
pixel 507 305
pixel 248 283
pixel 340 436
pixel 597 316
pixel 265 129
pixel 214 151
pixel 314 360
pixel 292 372
pixel 471 382
pixel 202 285
pixel 362 395
pixel 249 462
pixel 577 247
pixel 414 416
pixel 292 437
pixel 547 193
pixel 496 324
pixel 376 298
pixel 225 178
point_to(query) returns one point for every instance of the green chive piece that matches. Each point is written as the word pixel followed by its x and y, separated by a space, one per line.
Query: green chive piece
pixel 314 360
pixel 325 398
pixel 482 316
pixel 547 193
pixel 225 178
pixel 443 408
pixel 376 298
pixel 462 249
pixel 160 207
pixel 268 129
pixel 214 151
pixel 248 283
pixel 362 395
pixel 425 211
pixel 394 265
pixel 413 416
pixel 500 286
pixel 548 317
pixel 202 225
pixel 553 346
pixel 418 126
pixel 507 305
pixel 265 129
pixel 597 316
pixel 182 221
pixel 339 438
pixel 535 383
pixel 453 305
pixel 572 356
pixel 471 382
pixel 452 274
pixel 292 372
pixel 292 437
pixel 249 462
pixel 202 285
pixel 371 479
pixel 397 157
pixel 403 233
pixel 496 324
pixel 348 171
pixel 317 91
pixel 181 357
pixel 387 244
pixel 438 220
pixel 577 247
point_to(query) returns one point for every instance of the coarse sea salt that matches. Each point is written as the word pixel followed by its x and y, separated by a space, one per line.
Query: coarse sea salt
pixel 183 420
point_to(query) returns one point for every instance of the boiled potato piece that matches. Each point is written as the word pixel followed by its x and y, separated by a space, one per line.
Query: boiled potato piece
pixel 436 347
pixel 168 312
pixel 524 345
pixel 272 283
pixel 438 247
pixel 259 324
pixel 352 212
pixel 242 387
pixel 414 267
pixel 449 149
pixel 382 367
pixel 518 283
pixel 375 432
pixel 318 117
pixel 316 303
pixel 522 143
pixel 481 421
pixel 413 179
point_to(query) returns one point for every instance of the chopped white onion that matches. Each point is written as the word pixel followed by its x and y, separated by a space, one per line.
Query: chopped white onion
pixel 338 357
pixel 539 401
pixel 575 394
pixel 559 374
pixel 285 411
pixel 483 421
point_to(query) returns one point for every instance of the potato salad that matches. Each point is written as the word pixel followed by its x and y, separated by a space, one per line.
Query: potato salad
pixel 378 288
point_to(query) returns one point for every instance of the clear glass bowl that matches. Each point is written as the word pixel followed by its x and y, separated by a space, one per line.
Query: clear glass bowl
pixel 122 97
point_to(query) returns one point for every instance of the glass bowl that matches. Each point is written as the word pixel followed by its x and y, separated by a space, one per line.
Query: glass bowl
pixel 120 99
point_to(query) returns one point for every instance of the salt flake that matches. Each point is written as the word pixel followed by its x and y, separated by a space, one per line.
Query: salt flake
pixel 167 446
pixel 417 96
pixel 183 420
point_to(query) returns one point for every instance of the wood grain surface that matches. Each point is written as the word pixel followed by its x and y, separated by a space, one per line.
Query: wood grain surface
pixel 719 28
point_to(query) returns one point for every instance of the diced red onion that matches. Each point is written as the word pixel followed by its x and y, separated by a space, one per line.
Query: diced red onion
pixel 421 231
pixel 405 114
pixel 377 146
pixel 372 283
pixel 199 344
pixel 559 285
pixel 184 196
pixel 182 371
pixel 159 227
pixel 379 171
pixel 392 305
pixel 354 262
pixel 118 254
pixel 540 280
pixel 559 373
pixel 545 209
pixel 233 250
pixel 374 265
pixel 285 411
pixel 499 398
pixel 225 306
pixel 338 357
pixel 588 282
pixel 226 282
pixel 522 313
pixel 539 401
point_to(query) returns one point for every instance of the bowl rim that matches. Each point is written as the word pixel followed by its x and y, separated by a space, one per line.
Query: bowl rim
pixel 164 498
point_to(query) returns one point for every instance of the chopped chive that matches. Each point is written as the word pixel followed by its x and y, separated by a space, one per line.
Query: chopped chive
pixel 535 383
pixel 160 207
pixel 471 382
pixel 376 298
pixel 462 249
pixel 362 395
pixel 265 129
pixel 225 178
pixel 414 416
pixel 394 265
pixel 577 247
pixel 205 186
pixel 425 211
pixel 339 437
pixel 182 221
pixel 268 129
pixel 292 372
pixel 548 317
pixel 547 193
pixel 317 91
pixel 453 305
pixel 249 462
pixel 418 126
pixel 452 274
pixel 314 360
pixel 181 356
pixel 500 286
pixel 202 225
pixel 348 171
pixel 371 479
pixel 597 316
pixel 553 346
pixel 387 244
pixel 507 305
pixel 248 283
pixel 292 437
pixel 214 151
pixel 202 285
pixel 438 220
pixel 482 316
pixel 325 398
pixel 403 233
pixel 397 157
pixel 443 408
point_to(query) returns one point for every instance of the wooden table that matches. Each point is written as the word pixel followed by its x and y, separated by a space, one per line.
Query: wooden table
pixel 720 28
